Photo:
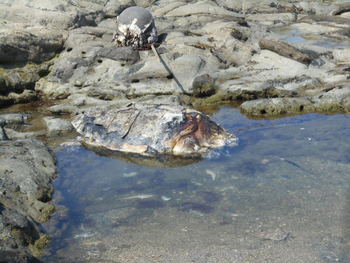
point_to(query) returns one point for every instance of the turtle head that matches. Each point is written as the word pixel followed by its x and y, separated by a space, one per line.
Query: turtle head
pixel 198 134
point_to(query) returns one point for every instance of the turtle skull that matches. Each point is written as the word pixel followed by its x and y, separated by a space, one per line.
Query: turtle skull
pixel 135 28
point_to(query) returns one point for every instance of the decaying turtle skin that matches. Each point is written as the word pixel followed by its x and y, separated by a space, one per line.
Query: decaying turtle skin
pixel 135 27
pixel 150 130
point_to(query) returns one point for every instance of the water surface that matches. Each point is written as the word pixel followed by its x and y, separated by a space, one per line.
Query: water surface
pixel 282 195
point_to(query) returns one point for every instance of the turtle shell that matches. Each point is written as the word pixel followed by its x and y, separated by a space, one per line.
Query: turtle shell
pixel 149 130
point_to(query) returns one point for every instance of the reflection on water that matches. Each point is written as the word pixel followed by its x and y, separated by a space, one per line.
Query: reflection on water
pixel 282 195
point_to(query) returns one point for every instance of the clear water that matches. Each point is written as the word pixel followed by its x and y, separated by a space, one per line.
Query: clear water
pixel 282 195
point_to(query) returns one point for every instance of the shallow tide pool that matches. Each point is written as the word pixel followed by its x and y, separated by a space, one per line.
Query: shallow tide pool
pixel 282 195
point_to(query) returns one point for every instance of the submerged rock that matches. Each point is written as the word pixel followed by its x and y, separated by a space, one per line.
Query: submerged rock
pixel 57 126
pixel 151 130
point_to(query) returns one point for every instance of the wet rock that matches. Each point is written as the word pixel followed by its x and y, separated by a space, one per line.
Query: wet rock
pixel 277 234
pixel 276 106
pixel 197 207
pixel 57 126
pixel 26 170
pixel 25 173
pixel 23 97
pixel 19 79
pixel 14 135
pixel 335 100
pixel 314 28
pixel 17 84
pixel 62 109
pixel 14 119
pixel 341 55
pixel 17 232
pixel 3 135
pixel 203 86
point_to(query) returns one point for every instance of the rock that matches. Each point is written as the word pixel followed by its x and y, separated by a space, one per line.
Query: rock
pixel 16 233
pixel 281 66
pixel 276 106
pixel 26 170
pixel 202 8
pixel 272 19
pixel 285 50
pixel 334 100
pixel 17 84
pixel 62 109
pixel 57 126
pixel 114 7
pixel 14 119
pixel 277 234
pixel 144 3
pixel 249 6
pixel 3 135
pixel 203 86
pixel 19 79
pixel 14 135
pixel 342 55
pixel 32 33
pixel 31 46
pixel 126 54
pixel 12 98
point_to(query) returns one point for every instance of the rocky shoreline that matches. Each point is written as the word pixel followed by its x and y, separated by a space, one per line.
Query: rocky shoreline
pixel 271 58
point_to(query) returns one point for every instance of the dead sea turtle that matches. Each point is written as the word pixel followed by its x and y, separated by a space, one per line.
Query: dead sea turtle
pixel 135 27
pixel 150 130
